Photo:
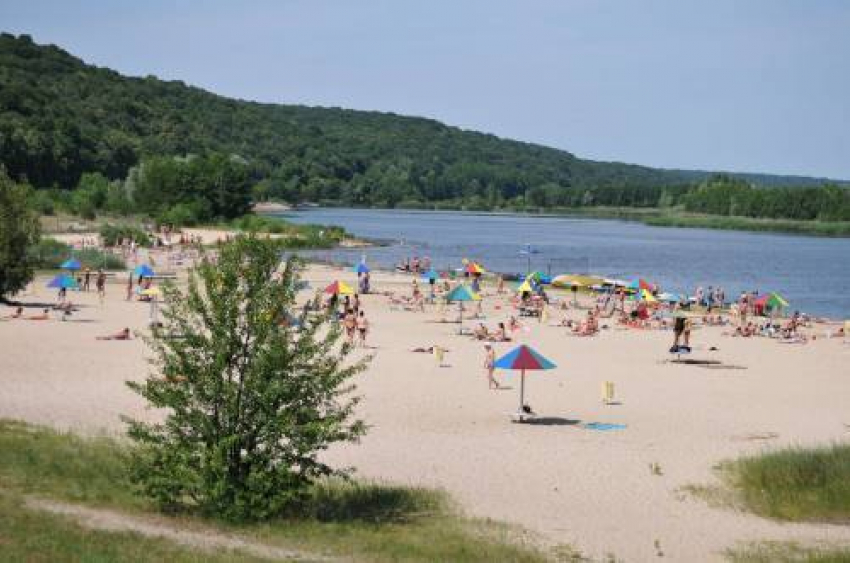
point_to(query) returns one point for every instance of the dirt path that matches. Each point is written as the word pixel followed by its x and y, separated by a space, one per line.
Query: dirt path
pixel 208 540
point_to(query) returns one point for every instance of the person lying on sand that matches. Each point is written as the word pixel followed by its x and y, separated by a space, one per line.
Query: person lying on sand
pixel 45 315
pixel 428 350
pixel 122 335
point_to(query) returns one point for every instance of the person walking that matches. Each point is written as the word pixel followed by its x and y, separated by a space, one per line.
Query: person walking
pixel 490 366
pixel 362 328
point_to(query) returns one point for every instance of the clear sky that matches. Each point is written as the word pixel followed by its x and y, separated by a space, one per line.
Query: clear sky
pixel 742 85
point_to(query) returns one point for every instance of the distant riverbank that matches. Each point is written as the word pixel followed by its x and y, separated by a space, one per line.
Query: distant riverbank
pixel 653 216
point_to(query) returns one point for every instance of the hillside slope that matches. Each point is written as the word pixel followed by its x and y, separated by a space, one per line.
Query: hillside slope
pixel 60 117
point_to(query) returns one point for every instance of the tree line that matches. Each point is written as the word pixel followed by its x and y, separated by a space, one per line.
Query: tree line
pixel 94 141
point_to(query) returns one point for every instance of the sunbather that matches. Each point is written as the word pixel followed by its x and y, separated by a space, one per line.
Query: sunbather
pixel 121 335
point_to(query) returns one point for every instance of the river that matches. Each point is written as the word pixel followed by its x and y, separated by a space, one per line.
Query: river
pixel 812 273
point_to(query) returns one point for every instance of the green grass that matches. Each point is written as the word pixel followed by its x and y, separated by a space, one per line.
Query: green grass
pixel 360 520
pixel 794 483
pixel 817 228
pixel 784 552
pixel 27 535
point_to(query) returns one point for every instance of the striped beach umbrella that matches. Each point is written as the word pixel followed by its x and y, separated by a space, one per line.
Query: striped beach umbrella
pixel 523 358
pixel 339 288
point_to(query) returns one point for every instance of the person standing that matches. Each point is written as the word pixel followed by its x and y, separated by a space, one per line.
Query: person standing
pixel 490 366
pixel 362 328
pixel 87 280
pixel 100 282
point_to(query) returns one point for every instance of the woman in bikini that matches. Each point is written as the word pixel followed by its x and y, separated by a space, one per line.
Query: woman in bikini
pixel 362 328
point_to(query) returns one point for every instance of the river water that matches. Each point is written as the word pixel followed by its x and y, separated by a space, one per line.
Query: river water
pixel 812 273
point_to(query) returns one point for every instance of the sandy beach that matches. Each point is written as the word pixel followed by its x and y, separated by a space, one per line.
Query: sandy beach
pixel 442 426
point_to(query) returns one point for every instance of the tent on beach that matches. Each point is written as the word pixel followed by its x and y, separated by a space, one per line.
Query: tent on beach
pixel 523 358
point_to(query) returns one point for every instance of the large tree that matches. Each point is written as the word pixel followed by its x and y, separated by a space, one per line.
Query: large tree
pixel 19 229
pixel 250 396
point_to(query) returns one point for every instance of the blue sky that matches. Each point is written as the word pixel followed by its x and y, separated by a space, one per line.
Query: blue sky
pixel 755 85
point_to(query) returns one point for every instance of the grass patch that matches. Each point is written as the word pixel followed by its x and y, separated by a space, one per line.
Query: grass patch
pixel 787 552
pixel 816 228
pixel 27 535
pixel 794 483
pixel 364 521
pixel 49 254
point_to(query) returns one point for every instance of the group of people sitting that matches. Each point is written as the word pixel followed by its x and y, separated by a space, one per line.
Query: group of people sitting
pixel 481 332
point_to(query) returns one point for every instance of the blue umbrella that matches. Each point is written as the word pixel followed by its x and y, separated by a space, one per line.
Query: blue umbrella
pixel 71 264
pixel 144 271
pixel 361 268
pixel 430 275
pixel 63 281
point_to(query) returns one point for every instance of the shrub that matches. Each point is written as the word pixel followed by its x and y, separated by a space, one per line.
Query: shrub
pixel 113 234
pixel 250 401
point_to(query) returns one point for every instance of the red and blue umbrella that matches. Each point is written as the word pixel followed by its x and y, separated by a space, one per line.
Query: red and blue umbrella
pixel 523 358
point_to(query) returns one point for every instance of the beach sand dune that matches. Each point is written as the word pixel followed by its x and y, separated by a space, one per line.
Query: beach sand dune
pixel 443 427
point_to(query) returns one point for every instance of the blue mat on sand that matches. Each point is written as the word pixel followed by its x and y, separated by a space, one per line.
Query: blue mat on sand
pixel 604 426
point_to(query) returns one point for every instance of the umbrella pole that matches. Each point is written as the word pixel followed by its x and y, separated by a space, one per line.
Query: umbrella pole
pixel 521 391
pixel 460 312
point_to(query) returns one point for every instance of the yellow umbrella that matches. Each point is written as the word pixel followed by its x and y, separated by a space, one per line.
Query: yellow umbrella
pixel 151 292
pixel 524 286
pixel 569 280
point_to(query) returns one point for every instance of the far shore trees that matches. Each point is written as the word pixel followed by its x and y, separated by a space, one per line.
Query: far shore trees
pixel 250 394
pixel 19 229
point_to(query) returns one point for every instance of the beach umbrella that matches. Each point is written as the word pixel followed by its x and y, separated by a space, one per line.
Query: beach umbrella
pixel 361 268
pixel 71 264
pixel 460 294
pixel 540 278
pixel 430 275
pixel 143 270
pixel 339 288
pixel 772 301
pixel 523 358
pixel 569 280
pixel 475 268
pixel 525 286
pixel 63 281
pixel 640 283
pixel 647 296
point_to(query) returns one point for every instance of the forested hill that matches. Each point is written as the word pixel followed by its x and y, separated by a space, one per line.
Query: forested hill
pixel 60 118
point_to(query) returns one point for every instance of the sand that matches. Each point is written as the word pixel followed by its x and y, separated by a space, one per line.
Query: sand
pixel 443 427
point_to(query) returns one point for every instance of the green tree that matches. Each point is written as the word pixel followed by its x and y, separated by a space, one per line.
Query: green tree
pixel 19 229
pixel 250 399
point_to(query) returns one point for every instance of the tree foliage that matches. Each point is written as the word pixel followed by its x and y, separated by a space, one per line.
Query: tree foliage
pixel 62 122
pixel 249 400
pixel 19 230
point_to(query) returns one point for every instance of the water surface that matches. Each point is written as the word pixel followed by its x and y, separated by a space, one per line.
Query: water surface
pixel 813 273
